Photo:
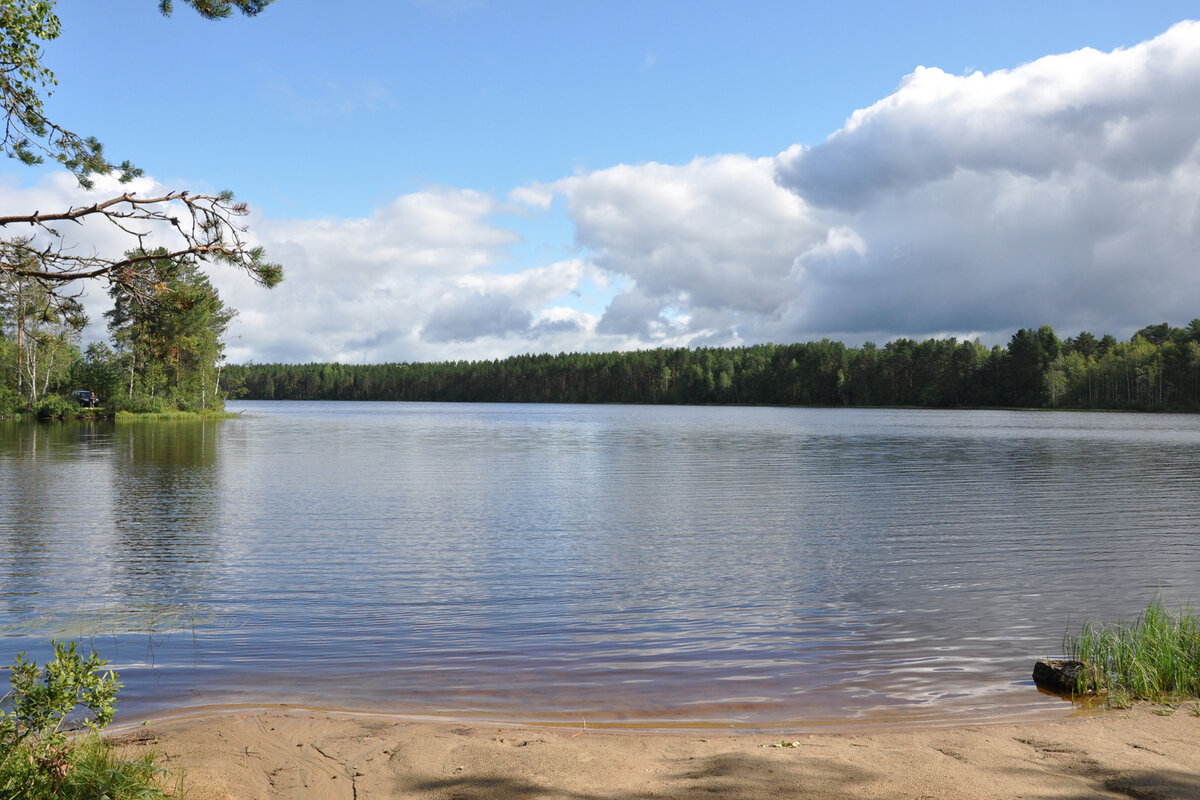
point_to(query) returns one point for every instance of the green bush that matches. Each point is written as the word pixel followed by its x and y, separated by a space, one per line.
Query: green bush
pixel 38 760
pixel 55 406
pixel 10 403
pixel 139 404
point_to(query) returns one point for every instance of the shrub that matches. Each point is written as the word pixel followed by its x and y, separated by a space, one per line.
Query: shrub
pixel 38 760
pixel 139 404
pixel 55 406
pixel 10 403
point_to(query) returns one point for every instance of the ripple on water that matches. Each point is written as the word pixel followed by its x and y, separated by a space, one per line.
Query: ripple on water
pixel 628 564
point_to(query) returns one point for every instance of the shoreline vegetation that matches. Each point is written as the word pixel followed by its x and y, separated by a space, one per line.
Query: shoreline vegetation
pixel 1156 657
pixel 81 414
pixel 168 345
pixel 1157 370
pixel 50 724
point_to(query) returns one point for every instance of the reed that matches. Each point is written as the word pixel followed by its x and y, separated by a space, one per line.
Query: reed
pixel 1155 657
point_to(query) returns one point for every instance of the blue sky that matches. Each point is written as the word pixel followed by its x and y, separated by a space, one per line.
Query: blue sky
pixel 472 179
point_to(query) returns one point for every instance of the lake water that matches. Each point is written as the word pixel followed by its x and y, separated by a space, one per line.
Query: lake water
pixel 759 567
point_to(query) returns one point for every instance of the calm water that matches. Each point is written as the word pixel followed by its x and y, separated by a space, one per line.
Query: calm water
pixel 625 564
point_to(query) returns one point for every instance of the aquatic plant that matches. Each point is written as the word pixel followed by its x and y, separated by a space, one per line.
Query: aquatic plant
pixel 1155 657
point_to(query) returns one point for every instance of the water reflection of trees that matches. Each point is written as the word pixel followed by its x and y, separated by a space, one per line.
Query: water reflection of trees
pixel 105 527
pixel 165 500
pixel 50 505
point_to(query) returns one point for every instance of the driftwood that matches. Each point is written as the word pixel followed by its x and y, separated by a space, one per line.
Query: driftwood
pixel 1065 676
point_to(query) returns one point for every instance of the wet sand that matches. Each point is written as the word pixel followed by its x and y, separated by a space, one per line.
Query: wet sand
pixel 295 753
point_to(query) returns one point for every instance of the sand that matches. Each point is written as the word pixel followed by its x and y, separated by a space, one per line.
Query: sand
pixel 297 753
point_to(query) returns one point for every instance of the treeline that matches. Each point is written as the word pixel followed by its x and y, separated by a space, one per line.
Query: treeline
pixel 1158 369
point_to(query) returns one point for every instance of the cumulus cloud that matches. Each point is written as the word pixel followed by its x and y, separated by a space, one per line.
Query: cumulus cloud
pixel 1131 114
pixel 421 278
pixel 715 234
pixel 1064 191
pixel 633 315
pixel 470 316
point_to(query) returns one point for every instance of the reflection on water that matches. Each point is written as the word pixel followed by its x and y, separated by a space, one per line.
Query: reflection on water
pixel 106 527
pixel 753 566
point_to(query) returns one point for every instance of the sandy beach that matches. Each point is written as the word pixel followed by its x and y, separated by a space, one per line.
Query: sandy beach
pixel 296 753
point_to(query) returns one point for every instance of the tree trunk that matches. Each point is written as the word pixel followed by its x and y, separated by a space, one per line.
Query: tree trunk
pixel 20 336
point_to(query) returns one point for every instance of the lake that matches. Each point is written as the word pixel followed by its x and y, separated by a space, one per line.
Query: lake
pixel 758 567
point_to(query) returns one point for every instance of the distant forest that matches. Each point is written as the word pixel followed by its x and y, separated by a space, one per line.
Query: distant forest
pixel 1158 369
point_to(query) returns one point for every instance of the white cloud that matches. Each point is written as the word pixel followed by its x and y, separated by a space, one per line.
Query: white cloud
pixel 716 234
pixel 535 195
pixel 418 272
pixel 1064 191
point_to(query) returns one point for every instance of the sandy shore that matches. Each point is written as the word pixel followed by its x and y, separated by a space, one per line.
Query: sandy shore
pixel 292 753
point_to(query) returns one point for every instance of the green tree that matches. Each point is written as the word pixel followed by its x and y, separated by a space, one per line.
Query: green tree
pixel 170 333
pixel 1085 344
pixel 1154 334
pixel 1030 353
pixel 97 371
pixel 43 328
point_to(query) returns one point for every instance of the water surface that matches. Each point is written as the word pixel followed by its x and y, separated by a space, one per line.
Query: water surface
pixel 749 566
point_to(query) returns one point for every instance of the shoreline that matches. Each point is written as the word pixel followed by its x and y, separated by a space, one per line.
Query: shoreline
pixel 903 718
pixel 294 752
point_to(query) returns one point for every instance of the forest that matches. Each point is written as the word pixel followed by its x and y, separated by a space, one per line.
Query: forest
pixel 167 337
pixel 1157 369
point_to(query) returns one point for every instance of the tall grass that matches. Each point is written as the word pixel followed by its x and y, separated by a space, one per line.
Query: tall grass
pixel 86 769
pixel 1156 657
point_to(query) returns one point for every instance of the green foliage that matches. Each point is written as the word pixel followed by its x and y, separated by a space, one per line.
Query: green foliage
pixel 169 346
pixel 38 759
pixel 97 372
pixel 1036 371
pixel 169 336
pixel 29 135
pixel 139 404
pixel 42 329
pixel 39 309
pixel 217 9
pixel 1156 657
pixel 96 772
pixel 56 406
pixel 10 403
pixel 42 699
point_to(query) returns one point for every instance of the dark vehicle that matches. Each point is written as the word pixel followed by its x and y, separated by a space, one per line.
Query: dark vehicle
pixel 86 399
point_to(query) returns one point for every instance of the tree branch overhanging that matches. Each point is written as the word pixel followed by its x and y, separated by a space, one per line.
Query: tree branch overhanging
pixel 201 226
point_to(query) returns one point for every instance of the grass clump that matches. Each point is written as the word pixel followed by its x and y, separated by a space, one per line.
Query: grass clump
pixel 1156 657
pixel 39 760
pixel 154 416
